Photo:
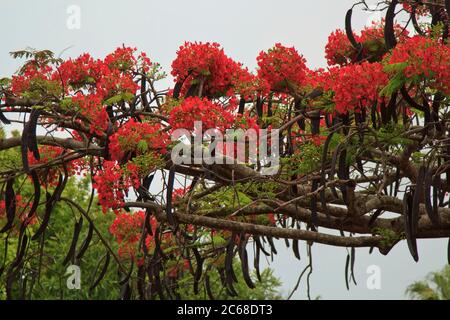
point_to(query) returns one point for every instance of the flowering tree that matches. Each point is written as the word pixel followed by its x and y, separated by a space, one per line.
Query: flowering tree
pixel 363 152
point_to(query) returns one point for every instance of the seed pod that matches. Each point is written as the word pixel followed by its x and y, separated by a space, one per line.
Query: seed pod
pixel 32 124
pixel 389 33
pixel 256 262
pixel 428 205
pixel 415 22
pixel 260 245
pixel 198 269
pixel 229 257
pixel 417 196
pixel 244 263
pixel 86 242
pixel 259 107
pixel 272 245
pixel 407 216
pixel 177 89
pixel 352 264
pixel 347 264
pixel 102 272
pixel 349 30
pixel 76 233
pixel 170 184
pixel 10 205
pixel 49 204
pixel 332 173
pixel 141 283
pixel 448 251
pixel 295 249
pixel 241 106
pixel 314 216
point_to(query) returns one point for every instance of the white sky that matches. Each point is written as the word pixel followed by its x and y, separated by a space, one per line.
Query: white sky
pixel 243 28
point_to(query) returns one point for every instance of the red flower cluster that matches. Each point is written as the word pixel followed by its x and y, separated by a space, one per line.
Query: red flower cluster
pixel 339 50
pixel 127 229
pixel 193 109
pixel 138 138
pixel 208 63
pixel 355 86
pixel 91 107
pixel 49 176
pixel 425 59
pixel 282 67
pixel 113 182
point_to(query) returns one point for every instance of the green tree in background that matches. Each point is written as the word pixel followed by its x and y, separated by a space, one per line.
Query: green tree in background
pixel 45 274
pixel 436 286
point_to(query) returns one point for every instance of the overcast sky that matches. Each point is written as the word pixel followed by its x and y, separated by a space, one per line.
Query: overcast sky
pixel 243 28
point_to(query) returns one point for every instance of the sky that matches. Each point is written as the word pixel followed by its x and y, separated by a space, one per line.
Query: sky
pixel 243 28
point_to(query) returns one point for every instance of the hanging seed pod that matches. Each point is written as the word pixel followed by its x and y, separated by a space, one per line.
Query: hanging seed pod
pixel 436 187
pixel 241 106
pixel 244 263
pixel 86 242
pixel 10 205
pixel 417 196
pixel 407 216
pixel 434 218
pixel 51 199
pixel 260 245
pixel 141 283
pixel 73 245
pixel 272 245
pixel 349 30
pixel 347 264
pixel 177 89
pixel 229 257
pixel 170 184
pixel 352 264
pixel 296 249
pixel 198 269
pixel 259 107
pixel 314 216
pixel 389 32
pixel 256 262
pixel 415 22
pixel 102 272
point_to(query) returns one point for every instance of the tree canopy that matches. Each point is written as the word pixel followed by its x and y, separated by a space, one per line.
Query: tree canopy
pixel 362 157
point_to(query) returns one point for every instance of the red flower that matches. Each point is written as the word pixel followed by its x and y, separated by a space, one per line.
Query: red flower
pixel 138 138
pixel 424 58
pixel 113 182
pixel 283 68
pixel 127 229
pixel 208 64
pixel 193 109
pixel 355 86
